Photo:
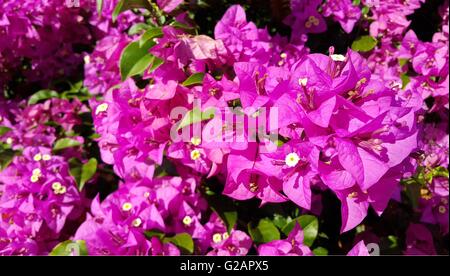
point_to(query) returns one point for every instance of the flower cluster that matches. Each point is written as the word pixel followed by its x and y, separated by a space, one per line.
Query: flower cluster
pixel 30 126
pixel 359 157
pixel 170 205
pixel 38 199
pixel 42 41
pixel 180 135
pixel 39 39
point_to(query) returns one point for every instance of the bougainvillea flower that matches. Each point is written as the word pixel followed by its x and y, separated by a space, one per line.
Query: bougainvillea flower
pixel 344 12
pixel 237 243
pixel 305 18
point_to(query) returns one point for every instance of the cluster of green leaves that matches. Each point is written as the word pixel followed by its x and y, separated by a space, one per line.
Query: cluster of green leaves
pixel 135 58
pixel 76 90
pixel 269 229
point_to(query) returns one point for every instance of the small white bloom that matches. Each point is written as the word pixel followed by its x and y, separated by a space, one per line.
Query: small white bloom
pixel 195 154
pixel 337 57
pixel 136 222
pixel 187 220
pixel 127 206
pixel 87 59
pixel 46 157
pixel 37 157
pixel 196 141
pixel 303 81
pixel 217 238
pixel 101 108
pixel 37 172
pixel 292 159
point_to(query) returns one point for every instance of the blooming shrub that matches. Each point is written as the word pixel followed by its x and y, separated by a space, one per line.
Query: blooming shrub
pixel 126 131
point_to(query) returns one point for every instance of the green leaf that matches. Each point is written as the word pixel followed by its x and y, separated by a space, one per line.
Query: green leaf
pixel 360 228
pixel 183 241
pixel 6 157
pixel 75 169
pixel 364 43
pixel 70 248
pixel 184 27
pixel 87 172
pixel 64 143
pixel 356 2
pixel 155 64
pixel 365 10
pixel 193 79
pixel 125 5
pixel 403 61
pixel 440 172
pixel 393 241
pixel 281 221
pixel 230 218
pixel 137 28
pixel 154 233
pixel 135 59
pixel 150 34
pixel 42 95
pixel 226 212
pixel 412 191
pixel 4 130
pixel 195 116
pixel 94 136
pixel 99 7
pixel 309 225
pixel 223 206
pixel 320 251
pixel 405 80
pixel 76 91
pixel 266 231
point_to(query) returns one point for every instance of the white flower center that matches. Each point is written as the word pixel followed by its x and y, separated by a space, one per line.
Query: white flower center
pixel 337 57
pixel 217 238
pixel 58 188
pixel 34 178
pixel 87 59
pixel 187 220
pixel 37 171
pixel 127 206
pixel 196 141
pixel 101 108
pixel 37 157
pixel 292 159
pixel 303 81
pixel 195 154
pixel 137 222
pixel 46 157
